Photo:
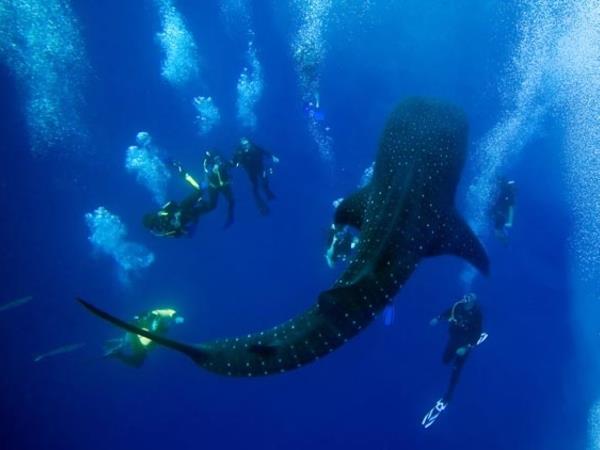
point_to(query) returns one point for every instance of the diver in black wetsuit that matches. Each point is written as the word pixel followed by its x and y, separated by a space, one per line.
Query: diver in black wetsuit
pixel 465 332
pixel 178 219
pixel 252 159
pixel 132 349
pixel 216 170
pixel 503 209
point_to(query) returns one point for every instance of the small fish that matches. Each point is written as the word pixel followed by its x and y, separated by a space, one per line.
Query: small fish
pixel 15 303
pixel 64 349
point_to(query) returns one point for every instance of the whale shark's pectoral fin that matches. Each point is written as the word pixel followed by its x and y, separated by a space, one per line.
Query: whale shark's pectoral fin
pixel 457 238
pixel 193 352
pixel 352 209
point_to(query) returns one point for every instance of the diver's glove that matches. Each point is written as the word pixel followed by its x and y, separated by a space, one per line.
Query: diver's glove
pixel 434 413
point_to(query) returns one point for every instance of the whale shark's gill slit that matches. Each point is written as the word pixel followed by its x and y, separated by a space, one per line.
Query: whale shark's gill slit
pixel 401 222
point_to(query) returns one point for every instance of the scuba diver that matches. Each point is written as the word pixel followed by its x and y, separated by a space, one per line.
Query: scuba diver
pixel 218 181
pixel 178 219
pixel 132 349
pixel 503 209
pixel 465 332
pixel 252 159
pixel 341 244
pixel 341 241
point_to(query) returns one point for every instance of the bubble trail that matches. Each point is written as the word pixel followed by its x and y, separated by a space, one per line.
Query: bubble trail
pixel 576 75
pixel 151 172
pixel 236 14
pixel 180 64
pixel 367 175
pixel 40 43
pixel 249 89
pixel 250 85
pixel 107 235
pixel 59 351
pixel 308 49
pixel 15 303
pixel 525 88
pixel 556 71
pixel 207 114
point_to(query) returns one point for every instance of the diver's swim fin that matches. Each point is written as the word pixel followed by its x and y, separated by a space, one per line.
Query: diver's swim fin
pixel 482 338
pixel 195 353
pixel 434 413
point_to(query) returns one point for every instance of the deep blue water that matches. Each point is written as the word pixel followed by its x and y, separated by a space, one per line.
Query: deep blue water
pixel 518 391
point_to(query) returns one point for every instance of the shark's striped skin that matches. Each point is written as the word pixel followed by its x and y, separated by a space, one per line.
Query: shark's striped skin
pixel 405 214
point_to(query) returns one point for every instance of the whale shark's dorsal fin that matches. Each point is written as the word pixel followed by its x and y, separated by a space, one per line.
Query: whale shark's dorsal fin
pixel 457 238
pixel 352 209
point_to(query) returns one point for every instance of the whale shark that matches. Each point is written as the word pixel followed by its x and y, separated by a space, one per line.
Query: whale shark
pixel 404 215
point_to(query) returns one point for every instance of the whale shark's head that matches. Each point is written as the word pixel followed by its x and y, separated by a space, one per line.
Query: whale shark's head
pixel 423 147
pixel 407 212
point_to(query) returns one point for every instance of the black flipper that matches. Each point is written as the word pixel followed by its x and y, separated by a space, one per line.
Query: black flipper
pixel 352 209
pixel 457 238
pixel 195 353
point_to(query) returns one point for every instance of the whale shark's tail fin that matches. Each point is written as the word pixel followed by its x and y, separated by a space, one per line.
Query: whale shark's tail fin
pixel 193 352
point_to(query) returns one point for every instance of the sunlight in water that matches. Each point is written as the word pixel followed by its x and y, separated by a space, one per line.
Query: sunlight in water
pixel 41 44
